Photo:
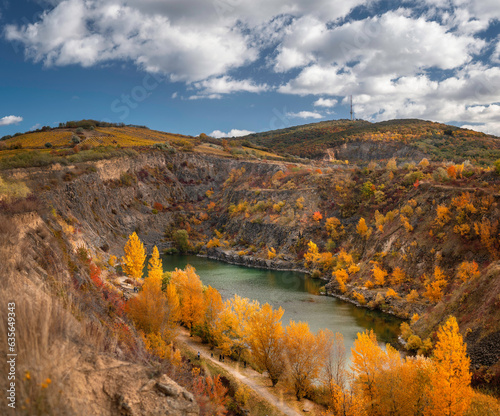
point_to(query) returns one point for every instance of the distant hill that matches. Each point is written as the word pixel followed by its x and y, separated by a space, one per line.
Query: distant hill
pixel 361 140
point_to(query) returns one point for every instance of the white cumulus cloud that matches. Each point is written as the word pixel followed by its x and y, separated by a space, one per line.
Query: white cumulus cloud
pixel 8 120
pixel 232 133
pixel 325 102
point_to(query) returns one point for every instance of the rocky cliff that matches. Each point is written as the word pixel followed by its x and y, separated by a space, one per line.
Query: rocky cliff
pixel 246 208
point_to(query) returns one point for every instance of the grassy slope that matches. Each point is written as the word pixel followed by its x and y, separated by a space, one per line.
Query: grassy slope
pixel 439 141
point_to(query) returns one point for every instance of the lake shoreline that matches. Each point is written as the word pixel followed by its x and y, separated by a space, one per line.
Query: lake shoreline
pixel 291 289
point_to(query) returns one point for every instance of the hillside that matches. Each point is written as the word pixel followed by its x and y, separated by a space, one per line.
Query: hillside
pixel 360 140
pixel 418 240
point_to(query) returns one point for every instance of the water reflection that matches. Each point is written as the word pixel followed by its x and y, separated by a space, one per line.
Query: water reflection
pixel 295 292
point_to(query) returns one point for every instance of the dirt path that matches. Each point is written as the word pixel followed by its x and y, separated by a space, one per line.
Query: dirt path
pixel 247 376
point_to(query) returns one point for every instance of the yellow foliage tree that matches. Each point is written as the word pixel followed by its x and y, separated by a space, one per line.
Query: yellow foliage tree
pixel 363 229
pixel 305 355
pixel 450 392
pixel 312 255
pixel 155 266
pixel 391 293
pixel 379 275
pixel 341 277
pixel 271 253
pixel 443 215
pixel 367 359
pixel 398 276
pixel 213 307
pixel 232 331
pixel 334 228
pixel 265 336
pixel 190 289
pixel 151 310
pixel 412 296
pixel 135 255
pixel 434 289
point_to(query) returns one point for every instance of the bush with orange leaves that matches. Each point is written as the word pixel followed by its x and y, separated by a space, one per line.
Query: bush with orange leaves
pixel 317 216
pixel 468 271
pixel 211 395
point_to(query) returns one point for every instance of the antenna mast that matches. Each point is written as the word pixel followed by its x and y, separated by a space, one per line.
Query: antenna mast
pixel 351 108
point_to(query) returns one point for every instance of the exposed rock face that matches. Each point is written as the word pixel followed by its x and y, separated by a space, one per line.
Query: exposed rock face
pixel 123 388
pixel 371 150
pixel 230 256
pixel 108 209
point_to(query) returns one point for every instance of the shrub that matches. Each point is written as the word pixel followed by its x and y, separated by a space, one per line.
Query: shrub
pixel 359 297
pixel 181 239
pixel 271 253
pixel 127 179
pixel 317 217
pixel 214 242
pixel 75 139
pixel 48 145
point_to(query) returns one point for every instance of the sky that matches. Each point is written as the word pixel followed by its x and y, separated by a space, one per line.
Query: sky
pixel 230 67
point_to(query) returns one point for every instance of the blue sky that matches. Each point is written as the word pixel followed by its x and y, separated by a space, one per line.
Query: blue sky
pixel 227 67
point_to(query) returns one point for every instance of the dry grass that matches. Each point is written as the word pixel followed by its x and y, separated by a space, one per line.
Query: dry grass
pixel 44 335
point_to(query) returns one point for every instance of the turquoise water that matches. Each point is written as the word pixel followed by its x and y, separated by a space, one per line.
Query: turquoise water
pixel 295 292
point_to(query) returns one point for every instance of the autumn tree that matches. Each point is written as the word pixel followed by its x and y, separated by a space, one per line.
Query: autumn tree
pixel 271 253
pixel 379 275
pixel 367 359
pixel 391 164
pixel 155 266
pixel 334 228
pixel 190 289
pixel 152 311
pixel 398 276
pixel 233 329
pixel 363 229
pixel 387 383
pixel 443 215
pixel 213 307
pixel 135 255
pixel 305 355
pixel 312 254
pixel 424 163
pixel 265 337
pixel 434 289
pixel 341 277
pixel 468 271
pixel 317 216
pixel 450 392
pixel 211 395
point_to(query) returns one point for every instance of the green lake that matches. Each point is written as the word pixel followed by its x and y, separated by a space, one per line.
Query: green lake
pixel 295 292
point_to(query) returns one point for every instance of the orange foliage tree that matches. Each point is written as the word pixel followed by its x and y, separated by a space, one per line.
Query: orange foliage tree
pixel 468 271
pixel 317 216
